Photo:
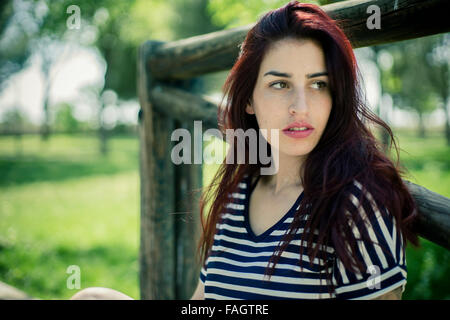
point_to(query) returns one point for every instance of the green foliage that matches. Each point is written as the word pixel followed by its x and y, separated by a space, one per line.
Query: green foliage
pixel 408 80
pixel 14 42
pixel 64 119
pixel 428 272
pixel 236 13
pixel 192 18
pixel 6 11
pixel 116 28
pixel 415 73
pixel 13 120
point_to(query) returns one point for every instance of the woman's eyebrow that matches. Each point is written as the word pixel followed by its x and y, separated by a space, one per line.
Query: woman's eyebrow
pixel 277 74
pixel 289 75
pixel 317 74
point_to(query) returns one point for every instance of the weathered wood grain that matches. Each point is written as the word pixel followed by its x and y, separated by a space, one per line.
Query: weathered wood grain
pixel 157 239
pixel 434 214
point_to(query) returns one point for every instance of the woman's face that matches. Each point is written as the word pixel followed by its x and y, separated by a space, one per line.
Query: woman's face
pixel 291 87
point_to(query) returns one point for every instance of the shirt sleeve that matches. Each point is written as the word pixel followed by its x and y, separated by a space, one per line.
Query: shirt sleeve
pixel 383 257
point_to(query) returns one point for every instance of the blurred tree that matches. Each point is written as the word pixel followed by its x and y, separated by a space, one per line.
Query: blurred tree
pixel 6 11
pixel 50 52
pixel 13 122
pixel 192 18
pixel 384 63
pixel 64 119
pixel 21 36
pixel 406 80
pixel 437 61
pixel 15 34
pixel 116 29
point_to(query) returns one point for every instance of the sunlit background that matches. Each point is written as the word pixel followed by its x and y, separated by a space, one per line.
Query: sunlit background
pixel 69 149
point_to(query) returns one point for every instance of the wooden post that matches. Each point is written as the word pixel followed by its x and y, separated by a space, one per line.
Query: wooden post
pixel 187 222
pixel 170 225
pixel 157 239
pixel 188 183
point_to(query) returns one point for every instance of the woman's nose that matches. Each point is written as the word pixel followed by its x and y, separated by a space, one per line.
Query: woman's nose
pixel 298 103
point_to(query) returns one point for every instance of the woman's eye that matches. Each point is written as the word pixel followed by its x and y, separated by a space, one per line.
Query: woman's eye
pixel 279 85
pixel 319 85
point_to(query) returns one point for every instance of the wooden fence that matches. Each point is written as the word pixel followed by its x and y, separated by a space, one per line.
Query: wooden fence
pixel 167 74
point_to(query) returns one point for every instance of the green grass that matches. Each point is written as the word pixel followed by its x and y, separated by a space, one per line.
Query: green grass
pixel 427 160
pixel 62 158
pixel 62 204
pixel 75 207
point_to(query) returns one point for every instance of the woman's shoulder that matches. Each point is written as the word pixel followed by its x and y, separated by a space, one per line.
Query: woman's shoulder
pixel 358 189
pixel 362 205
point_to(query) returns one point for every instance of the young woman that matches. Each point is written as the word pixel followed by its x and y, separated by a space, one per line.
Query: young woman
pixel 333 221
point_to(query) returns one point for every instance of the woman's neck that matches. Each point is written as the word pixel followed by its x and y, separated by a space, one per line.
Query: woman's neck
pixel 287 176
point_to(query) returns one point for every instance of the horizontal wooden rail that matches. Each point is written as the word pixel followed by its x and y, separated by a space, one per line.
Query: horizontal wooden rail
pixel 434 214
pixel 182 105
pixel 217 51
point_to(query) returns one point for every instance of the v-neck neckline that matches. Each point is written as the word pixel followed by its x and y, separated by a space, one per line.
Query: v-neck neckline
pixel 262 236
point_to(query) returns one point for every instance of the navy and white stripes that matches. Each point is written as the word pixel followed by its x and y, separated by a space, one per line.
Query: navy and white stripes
pixel 235 269
pixel 384 256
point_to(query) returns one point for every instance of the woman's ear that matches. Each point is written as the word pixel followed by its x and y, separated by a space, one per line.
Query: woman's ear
pixel 249 108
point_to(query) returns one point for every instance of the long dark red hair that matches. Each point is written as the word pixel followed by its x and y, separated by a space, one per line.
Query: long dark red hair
pixel 346 151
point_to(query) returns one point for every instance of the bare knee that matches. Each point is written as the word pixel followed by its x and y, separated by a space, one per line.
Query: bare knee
pixel 99 293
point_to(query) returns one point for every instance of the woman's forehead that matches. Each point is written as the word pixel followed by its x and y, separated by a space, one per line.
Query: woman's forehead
pixel 294 56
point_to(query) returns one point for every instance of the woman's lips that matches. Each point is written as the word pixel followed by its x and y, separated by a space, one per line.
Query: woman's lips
pixel 298 134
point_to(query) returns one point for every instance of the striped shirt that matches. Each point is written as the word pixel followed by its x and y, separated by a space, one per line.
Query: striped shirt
pixel 238 260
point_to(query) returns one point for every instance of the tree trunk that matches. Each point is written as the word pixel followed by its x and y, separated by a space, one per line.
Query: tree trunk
pixel 447 122
pixel 102 134
pixel 45 128
pixel 421 133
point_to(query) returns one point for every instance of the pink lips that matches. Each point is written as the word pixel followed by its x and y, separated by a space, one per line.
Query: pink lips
pixel 298 134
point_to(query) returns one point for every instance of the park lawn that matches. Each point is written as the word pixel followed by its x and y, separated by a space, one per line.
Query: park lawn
pixel 63 157
pixel 427 160
pixel 85 213
pixel 91 222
